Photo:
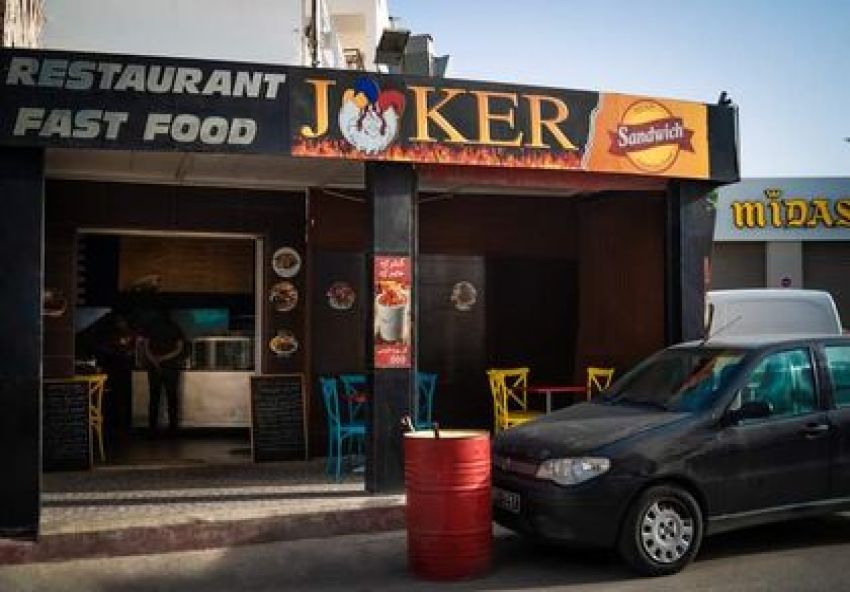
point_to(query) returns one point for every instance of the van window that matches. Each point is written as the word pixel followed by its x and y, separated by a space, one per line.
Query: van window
pixel 838 363
pixel 784 381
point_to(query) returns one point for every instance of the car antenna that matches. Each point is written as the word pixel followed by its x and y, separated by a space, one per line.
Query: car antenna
pixel 707 327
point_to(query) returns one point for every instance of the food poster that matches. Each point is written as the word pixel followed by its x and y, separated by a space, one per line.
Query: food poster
pixel 392 312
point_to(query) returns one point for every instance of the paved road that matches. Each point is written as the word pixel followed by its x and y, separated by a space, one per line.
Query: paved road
pixel 807 555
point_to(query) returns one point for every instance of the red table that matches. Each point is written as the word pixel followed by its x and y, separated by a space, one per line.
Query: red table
pixel 355 401
pixel 548 389
pixel 355 397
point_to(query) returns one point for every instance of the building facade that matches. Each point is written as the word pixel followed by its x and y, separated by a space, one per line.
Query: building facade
pixel 502 224
pixel 784 233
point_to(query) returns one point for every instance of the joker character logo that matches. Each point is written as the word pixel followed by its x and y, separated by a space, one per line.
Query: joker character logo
pixel 370 118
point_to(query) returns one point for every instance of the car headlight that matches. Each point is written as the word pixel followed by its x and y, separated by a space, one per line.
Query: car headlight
pixel 571 471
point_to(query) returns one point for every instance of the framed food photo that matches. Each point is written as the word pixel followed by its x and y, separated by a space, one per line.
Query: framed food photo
pixel 341 296
pixel 464 296
pixel 284 296
pixel 286 262
pixel 284 344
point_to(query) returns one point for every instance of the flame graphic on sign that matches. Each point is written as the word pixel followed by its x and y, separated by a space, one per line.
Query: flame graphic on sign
pixel 442 154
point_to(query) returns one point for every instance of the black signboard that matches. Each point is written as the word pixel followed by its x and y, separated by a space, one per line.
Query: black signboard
pixel 123 102
pixel 278 417
pixel 120 102
pixel 65 431
pixel 405 118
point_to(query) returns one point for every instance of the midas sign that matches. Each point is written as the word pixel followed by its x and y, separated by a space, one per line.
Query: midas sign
pixel 776 211
pixel 395 119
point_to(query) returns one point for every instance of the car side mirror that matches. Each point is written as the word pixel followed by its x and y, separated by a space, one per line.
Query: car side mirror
pixel 749 410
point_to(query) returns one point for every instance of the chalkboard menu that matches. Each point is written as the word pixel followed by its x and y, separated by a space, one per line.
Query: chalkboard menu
pixel 278 417
pixel 65 430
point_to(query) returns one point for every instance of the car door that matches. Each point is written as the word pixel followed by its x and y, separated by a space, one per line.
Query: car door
pixel 836 358
pixel 782 459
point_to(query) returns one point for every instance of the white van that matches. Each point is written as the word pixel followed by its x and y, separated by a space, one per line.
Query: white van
pixel 779 311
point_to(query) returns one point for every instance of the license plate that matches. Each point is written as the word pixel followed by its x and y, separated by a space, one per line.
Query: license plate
pixel 506 500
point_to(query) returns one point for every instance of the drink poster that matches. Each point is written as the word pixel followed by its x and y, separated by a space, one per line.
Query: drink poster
pixel 392 312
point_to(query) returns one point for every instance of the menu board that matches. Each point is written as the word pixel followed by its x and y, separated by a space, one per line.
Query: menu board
pixel 65 431
pixel 278 417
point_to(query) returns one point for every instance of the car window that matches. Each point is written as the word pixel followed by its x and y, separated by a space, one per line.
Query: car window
pixel 838 363
pixel 784 381
pixel 679 379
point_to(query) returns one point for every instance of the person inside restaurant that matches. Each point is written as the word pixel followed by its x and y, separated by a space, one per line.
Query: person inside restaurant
pixel 164 353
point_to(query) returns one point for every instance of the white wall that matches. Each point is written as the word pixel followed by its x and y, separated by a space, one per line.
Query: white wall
pixel 784 261
pixel 249 30
pixel 376 18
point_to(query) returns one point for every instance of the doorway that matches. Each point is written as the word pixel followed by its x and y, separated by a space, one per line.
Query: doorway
pixel 157 306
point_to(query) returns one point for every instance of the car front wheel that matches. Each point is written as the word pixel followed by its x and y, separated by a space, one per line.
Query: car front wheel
pixel 662 531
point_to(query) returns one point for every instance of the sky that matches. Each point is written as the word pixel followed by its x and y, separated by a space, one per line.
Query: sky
pixel 785 63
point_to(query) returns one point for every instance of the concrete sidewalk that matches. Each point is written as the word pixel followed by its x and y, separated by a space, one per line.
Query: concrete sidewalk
pixel 109 512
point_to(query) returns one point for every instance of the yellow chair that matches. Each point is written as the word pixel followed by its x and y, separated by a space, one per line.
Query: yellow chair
pixel 97 386
pixel 510 406
pixel 598 379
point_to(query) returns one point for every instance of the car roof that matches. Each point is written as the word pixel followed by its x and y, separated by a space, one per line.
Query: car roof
pixel 767 294
pixel 763 341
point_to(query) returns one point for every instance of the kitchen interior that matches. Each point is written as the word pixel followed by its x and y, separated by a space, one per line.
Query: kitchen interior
pixel 206 285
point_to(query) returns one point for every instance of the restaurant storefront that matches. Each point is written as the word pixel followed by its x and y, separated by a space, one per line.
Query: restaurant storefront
pixel 299 223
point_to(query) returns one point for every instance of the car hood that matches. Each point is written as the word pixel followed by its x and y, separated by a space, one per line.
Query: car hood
pixel 578 430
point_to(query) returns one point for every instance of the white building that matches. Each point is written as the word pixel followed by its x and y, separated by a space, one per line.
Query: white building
pixel 271 31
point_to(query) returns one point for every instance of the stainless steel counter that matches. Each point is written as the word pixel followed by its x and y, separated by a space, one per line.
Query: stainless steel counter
pixel 208 399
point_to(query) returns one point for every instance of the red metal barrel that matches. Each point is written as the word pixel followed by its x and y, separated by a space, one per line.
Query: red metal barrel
pixel 449 519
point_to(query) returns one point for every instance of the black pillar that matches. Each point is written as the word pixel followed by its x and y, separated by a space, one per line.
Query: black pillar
pixel 21 224
pixel 391 192
pixel 690 232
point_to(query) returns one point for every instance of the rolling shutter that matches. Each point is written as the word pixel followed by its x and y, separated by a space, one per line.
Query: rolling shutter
pixel 826 266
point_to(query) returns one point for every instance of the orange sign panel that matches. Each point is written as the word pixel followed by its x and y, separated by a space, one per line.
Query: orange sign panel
pixel 650 137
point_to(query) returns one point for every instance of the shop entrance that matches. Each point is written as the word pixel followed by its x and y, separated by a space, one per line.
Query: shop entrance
pixel 174 317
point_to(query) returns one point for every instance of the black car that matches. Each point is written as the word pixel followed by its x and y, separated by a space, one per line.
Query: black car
pixel 700 438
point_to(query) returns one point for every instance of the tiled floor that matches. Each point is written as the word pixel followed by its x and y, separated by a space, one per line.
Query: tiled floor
pixel 163 481
pixel 140 449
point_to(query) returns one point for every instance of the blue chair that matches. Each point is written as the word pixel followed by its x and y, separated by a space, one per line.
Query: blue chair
pixel 352 384
pixel 426 384
pixel 339 431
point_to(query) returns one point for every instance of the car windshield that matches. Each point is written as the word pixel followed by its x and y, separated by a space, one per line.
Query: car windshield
pixel 677 379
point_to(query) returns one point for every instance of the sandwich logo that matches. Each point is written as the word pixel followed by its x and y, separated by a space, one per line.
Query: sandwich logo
pixel 650 136
pixel 369 118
